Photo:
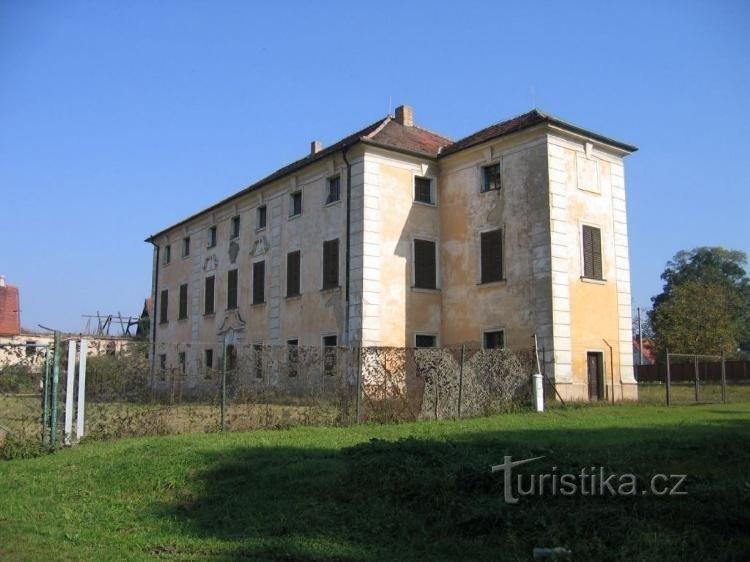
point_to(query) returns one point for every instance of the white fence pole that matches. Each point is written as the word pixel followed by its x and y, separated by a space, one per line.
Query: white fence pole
pixel 81 389
pixel 69 388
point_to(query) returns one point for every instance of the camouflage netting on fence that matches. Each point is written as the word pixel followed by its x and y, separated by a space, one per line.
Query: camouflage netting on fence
pixel 141 389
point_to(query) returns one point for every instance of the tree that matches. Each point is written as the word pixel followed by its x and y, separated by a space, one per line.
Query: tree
pixel 705 304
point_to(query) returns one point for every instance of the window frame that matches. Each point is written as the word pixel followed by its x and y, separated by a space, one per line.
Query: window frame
pixel 292 195
pixel 299 274
pixel 258 370
pixel 292 363
pixel 257 263
pixel 167 256
pixel 493 330
pixel 337 284
pixel 182 303
pixel 433 190
pixel 233 295
pixel 593 278
pixel 483 184
pixel 503 261
pixel 208 353
pixel 429 334
pixel 186 246
pixel 212 237
pixel 261 211
pixel 436 243
pixel 206 311
pixel 164 306
pixel 326 352
pixel 329 182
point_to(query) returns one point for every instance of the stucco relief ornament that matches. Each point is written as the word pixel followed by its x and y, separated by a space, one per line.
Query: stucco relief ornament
pixel 210 263
pixel 233 321
pixel 260 247
pixel 234 250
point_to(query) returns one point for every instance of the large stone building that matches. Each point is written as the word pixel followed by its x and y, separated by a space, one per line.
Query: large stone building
pixel 398 236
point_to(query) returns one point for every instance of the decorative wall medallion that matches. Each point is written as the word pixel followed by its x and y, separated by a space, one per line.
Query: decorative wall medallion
pixel 234 250
pixel 232 321
pixel 210 263
pixel 260 247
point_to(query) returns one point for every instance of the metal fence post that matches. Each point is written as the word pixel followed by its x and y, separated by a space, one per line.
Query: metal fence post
pixel 696 378
pixel 723 378
pixel 224 385
pixel 669 383
pixel 45 396
pixel 55 384
pixel 461 379
pixel 69 389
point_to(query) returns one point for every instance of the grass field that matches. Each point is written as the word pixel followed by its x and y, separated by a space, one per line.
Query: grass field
pixel 413 491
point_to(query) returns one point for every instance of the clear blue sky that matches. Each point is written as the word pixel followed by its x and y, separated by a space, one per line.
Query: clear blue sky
pixel 118 119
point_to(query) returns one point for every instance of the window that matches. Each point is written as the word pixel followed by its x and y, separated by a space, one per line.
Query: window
pixel 232 289
pixel 331 264
pixel 425 264
pixel 423 190
pixel 208 303
pixel 208 358
pixel 212 237
pixel 181 359
pixel 491 178
pixel 186 246
pixel 164 306
pixel 259 282
pixel 494 339
pixel 235 227
pixel 334 189
pixel 425 340
pixel 258 360
pixel 329 354
pixel 292 274
pixel 163 362
pixel 592 253
pixel 31 348
pixel 292 350
pixel 295 204
pixel 167 255
pixel 183 302
pixel 260 218
pixel 492 256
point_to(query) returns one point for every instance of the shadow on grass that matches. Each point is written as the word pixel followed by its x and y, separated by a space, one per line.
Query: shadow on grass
pixel 421 499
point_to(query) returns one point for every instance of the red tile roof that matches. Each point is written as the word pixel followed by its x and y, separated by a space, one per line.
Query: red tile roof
pixel 10 312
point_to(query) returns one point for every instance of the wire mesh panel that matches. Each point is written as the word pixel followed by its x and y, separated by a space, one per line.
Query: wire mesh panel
pixel 22 368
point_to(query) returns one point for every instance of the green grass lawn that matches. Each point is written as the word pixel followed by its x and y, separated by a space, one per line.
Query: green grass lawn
pixel 412 491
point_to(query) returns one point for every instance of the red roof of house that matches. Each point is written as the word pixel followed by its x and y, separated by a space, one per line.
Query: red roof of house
pixel 10 311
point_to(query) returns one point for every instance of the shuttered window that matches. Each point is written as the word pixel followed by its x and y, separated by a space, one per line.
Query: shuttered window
pixel 232 289
pixel 292 274
pixel 259 282
pixel 331 264
pixel 208 304
pixel 164 306
pixel 425 264
pixel 183 302
pixel 592 253
pixel 492 256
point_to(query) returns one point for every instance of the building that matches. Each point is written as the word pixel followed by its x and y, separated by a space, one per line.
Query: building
pixel 10 311
pixel 398 236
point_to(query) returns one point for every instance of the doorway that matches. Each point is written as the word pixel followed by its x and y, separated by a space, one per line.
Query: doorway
pixel 595 365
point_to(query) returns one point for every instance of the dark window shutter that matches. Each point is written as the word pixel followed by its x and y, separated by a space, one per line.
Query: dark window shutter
pixel 292 274
pixel 164 306
pixel 232 289
pixel 208 305
pixel 331 264
pixel 492 256
pixel 592 252
pixel 259 281
pixel 425 266
pixel 183 301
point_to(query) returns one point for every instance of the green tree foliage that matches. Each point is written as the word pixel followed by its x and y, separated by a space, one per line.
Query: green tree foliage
pixel 705 304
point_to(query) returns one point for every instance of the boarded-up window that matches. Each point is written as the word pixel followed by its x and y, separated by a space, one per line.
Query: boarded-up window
pixel 183 308
pixel 331 264
pixel 492 256
pixel 491 178
pixel 592 252
pixel 259 282
pixel 164 306
pixel 423 190
pixel 494 339
pixel 232 289
pixel 425 264
pixel 208 305
pixel 292 274
pixel 334 189
pixel 329 354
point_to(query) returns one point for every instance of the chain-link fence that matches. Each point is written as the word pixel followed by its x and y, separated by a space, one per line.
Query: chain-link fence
pixel 694 378
pixel 145 389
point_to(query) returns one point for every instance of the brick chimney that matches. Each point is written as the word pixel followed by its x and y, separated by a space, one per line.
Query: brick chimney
pixel 10 313
pixel 316 146
pixel 405 115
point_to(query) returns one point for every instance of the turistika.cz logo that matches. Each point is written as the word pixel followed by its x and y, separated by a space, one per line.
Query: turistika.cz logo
pixel 590 481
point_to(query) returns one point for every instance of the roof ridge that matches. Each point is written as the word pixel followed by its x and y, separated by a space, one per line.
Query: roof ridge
pixel 441 135
pixel 387 119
